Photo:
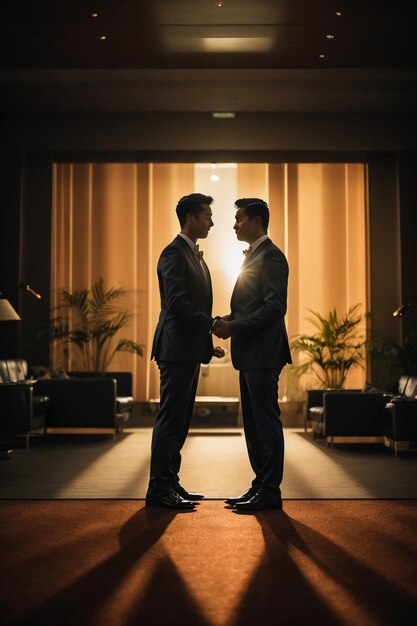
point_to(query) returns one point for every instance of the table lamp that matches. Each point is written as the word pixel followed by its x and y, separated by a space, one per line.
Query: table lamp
pixel 7 312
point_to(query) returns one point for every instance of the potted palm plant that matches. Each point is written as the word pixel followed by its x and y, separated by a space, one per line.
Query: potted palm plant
pixel 336 347
pixel 88 322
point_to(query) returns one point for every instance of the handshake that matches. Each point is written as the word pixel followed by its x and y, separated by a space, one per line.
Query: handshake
pixel 221 327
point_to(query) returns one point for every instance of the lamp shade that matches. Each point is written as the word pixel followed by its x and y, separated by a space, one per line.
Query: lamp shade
pixel 7 312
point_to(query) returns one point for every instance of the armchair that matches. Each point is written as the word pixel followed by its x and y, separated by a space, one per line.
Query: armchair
pixel 400 417
pixel 22 408
pixel 346 413
pixel 124 397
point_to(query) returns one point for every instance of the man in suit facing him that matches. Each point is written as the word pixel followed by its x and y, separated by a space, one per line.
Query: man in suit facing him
pixel 260 349
pixel 181 343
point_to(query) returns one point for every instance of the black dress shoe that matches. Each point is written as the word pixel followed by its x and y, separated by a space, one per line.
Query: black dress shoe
pixel 187 496
pixel 170 501
pixel 260 502
pixel 244 498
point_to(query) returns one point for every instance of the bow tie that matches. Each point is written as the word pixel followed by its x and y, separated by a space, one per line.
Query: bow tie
pixel 198 253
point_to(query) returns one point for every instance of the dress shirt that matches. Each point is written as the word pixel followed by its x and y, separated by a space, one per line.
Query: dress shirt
pixel 256 243
pixel 188 240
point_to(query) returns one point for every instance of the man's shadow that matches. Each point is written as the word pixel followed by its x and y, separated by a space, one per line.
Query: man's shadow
pixel 81 602
pixel 280 591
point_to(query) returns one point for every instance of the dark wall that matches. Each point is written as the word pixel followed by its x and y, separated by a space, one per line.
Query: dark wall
pixel 199 132
pixel 407 189
pixel 35 263
pixel 10 221
pixel 32 143
pixel 384 243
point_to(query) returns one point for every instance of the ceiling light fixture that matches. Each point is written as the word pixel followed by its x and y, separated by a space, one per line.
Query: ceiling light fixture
pixel 214 178
pixel 94 15
pixel 103 37
pixel 219 4
pixel 236 44
pixel 329 36
pixel 223 115
pixel 339 13
pixel 321 56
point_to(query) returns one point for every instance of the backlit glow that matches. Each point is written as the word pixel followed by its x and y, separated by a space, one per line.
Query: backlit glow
pixel 237 44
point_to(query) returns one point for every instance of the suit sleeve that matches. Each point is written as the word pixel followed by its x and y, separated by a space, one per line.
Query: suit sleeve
pixel 172 269
pixel 274 285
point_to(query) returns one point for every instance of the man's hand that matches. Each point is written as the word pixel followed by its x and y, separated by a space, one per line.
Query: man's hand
pixel 222 329
pixel 219 352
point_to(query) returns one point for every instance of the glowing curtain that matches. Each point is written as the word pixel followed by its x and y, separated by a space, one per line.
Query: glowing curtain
pixel 113 220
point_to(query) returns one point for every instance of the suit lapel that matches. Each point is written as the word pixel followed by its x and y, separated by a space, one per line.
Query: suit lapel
pixel 258 250
pixel 208 280
pixel 195 261
pixel 247 262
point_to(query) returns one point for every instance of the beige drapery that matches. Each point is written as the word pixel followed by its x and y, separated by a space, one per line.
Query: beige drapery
pixel 112 221
pixel 318 218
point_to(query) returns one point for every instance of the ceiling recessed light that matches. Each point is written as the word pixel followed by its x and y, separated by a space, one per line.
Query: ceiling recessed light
pixel 321 56
pixel 219 4
pixel 228 115
pixel 103 37
pixel 329 36
pixel 338 13
pixel 94 15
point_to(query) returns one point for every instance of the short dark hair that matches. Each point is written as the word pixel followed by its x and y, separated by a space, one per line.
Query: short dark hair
pixel 255 207
pixel 191 204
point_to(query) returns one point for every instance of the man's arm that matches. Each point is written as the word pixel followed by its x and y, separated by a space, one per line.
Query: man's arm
pixel 172 268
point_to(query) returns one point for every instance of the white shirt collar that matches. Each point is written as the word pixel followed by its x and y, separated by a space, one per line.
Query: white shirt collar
pixel 258 242
pixel 188 240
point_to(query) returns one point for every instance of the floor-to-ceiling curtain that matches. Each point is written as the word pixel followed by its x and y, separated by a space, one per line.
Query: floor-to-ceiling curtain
pixel 113 220
pixel 318 217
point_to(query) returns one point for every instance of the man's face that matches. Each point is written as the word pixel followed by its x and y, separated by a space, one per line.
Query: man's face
pixel 203 222
pixel 245 228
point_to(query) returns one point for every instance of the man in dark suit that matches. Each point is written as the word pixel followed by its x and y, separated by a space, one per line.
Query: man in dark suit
pixel 260 349
pixel 181 343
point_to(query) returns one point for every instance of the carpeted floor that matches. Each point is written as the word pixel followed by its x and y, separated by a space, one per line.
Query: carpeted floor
pixel 119 563
pixel 214 463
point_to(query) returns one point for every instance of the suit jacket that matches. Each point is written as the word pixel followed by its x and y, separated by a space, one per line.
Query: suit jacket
pixel 182 333
pixel 258 306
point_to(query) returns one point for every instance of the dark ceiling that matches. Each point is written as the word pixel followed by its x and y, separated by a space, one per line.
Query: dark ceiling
pixel 246 55
pixel 199 34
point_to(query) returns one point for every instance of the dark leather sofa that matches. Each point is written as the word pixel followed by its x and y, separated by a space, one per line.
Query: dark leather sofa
pixel 86 400
pixel 350 412
pixel 124 398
